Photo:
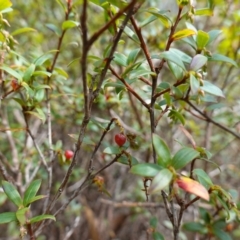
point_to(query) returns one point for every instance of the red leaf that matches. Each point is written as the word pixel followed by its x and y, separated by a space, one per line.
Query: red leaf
pixel 194 187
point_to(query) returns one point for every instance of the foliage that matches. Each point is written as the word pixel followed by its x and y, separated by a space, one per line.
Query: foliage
pixel 140 94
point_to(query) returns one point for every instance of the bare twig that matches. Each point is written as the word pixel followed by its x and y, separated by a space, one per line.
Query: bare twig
pixel 211 120
pixel 125 204
pixel 99 143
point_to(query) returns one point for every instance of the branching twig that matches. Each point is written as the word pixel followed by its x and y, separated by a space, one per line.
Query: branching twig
pixel 99 143
pixel 129 88
pixel 211 120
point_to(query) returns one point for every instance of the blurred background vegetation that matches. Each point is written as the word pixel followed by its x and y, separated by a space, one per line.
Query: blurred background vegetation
pixel 93 215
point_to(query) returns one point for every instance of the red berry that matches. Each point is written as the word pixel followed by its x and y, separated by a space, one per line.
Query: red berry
pixel 68 154
pixel 120 139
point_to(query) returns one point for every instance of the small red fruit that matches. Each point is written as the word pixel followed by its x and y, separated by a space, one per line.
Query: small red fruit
pixel 120 139
pixel 68 154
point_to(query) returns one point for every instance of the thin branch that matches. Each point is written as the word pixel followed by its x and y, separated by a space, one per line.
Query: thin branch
pixel 96 35
pixel 43 160
pixel 99 143
pixel 129 88
pixel 167 209
pixel 4 172
pixel 88 177
pixel 113 49
pixel 127 204
pixel 142 43
pixel 49 115
pixel 211 120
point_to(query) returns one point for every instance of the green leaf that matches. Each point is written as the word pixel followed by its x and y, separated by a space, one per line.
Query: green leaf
pixel 42 73
pixel 125 160
pixel 139 73
pixel 61 72
pixel 197 62
pixel 195 227
pixel 213 34
pixel 183 34
pixel 31 191
pixel 212 89
pixel 202 39
pixel 157 236
pixel 147 21
pixel 131 34
pixel 12 72
pixel 12 193
pixel 120 59
pixel 43 58
pixel 162 151
pixel 29 72
pixel 38 114
pixel 203 178
pixel 23 30
pixel 112 150
pixel 171 56
pixel 176 70
pixel 221 58
pixel 160 181
pixel 153 222
pixel 4 4
pixel 184 57
pixel 39 95
pixel 183 157
pixel 69 24
pixel 194 83
pixel 21 215
pixel 161 16
pixel 7 217
pixel 146 169
pixel 41 218
pixel 176 116
pixel 220 234
pixel 118 3
pixel 54 29
pixel 38 197
pixel 132 56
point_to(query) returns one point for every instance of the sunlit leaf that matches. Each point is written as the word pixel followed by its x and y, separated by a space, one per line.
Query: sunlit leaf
pixel 204 12
pixel 182 34
pixel 69 24
pixel 202 39
pixel 4 4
